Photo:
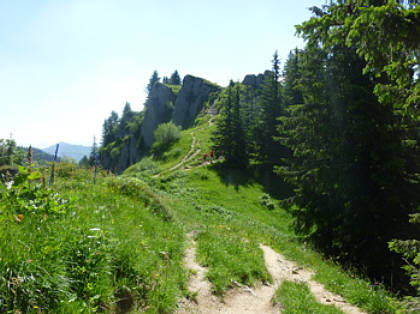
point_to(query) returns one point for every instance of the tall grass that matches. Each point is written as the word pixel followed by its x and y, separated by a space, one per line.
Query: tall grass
pixel 109 247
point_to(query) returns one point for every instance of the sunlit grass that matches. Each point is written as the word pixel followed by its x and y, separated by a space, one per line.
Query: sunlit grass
pixel 296 298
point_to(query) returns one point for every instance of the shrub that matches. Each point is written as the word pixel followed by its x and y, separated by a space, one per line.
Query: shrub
pixel 267 201
pixel 410 250
pixel 166 135
pixel 146 166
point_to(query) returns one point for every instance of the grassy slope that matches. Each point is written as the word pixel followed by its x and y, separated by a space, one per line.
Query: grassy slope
pixel 121 243
pixel 115 247
pixel 226 207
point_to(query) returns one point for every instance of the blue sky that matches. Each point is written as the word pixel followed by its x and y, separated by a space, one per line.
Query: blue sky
pixel 65 65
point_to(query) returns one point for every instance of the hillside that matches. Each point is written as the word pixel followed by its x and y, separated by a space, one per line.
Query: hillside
pixel 173 235
pixel 75 152
pixel 233 221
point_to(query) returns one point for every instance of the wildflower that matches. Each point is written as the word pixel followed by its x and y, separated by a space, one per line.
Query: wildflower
pixel 19 218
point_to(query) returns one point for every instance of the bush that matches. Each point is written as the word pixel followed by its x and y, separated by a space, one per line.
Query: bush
pixel 410 250
pixel 146 166
pixel 267 202
pixel 166 135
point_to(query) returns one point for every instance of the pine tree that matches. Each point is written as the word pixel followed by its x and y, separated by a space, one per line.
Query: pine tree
pixel 109 129
pixel 93 153
pixel 239 157
pixel 223 136
pixel 153 80
pixel 352 167
pixel 291 91
pixel 175 79
pixel 269 151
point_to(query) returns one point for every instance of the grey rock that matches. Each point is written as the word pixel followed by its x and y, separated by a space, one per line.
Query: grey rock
pixel 255 80
pixel 159 109
pixel 194 93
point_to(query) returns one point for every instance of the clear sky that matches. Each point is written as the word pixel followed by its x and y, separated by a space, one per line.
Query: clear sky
pixel 66 64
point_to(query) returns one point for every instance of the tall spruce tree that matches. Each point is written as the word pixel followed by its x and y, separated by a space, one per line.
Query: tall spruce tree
pixel 353 172
pixel 239 145
pixel 153 80
pixel 175 79
pixel 292 95
pixel 269 151
pixel 230 137
pixel 222 137
pixel 109 129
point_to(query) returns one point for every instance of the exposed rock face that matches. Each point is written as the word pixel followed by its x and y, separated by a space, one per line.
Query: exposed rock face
pixel 189 102
pixel 129 154
pixel 255 80
pixel 159 109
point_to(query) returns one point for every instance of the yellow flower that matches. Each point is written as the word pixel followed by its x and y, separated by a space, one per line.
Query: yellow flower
pixel 19 218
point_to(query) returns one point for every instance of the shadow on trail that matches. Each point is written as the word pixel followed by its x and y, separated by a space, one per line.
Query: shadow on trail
pixel 272 184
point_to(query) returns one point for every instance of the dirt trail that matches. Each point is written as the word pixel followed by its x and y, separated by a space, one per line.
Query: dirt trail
pixel 283 269
pixel 190 155
pixel 212 111
pixel 259 299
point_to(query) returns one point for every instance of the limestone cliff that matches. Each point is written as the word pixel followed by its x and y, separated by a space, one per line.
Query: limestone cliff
pixel 159 109
pixel 189 102
pixel 255 80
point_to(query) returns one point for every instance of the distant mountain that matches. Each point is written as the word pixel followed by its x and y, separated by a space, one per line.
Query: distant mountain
pixel 38 155
pixel 69 150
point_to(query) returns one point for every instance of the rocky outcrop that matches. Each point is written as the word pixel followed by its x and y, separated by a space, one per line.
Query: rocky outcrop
pixel 159 109
pixel 194 93
pixel 255 80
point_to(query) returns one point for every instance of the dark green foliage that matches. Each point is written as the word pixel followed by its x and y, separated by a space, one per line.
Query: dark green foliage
pixel 238 145
pixel 292 94
pixel 175 79
pixel 84 162
pixel 268 150
pixel 267 202
pixel 109 129
pixel 9 153
pixel 118 137
pixel 229 138
pixel 354 155
pixel 410 249
pixel 93 153
pixel 222 137
pixel 166 135
pixel 153 80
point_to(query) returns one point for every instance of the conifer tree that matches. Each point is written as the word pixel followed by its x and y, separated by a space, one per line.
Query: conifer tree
pixel 109 129
pixel 269 149
pixel 223 136
pixel 353 170
pixel 238 145
pixel 292 95
pixel 175 79
pixel 153 80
